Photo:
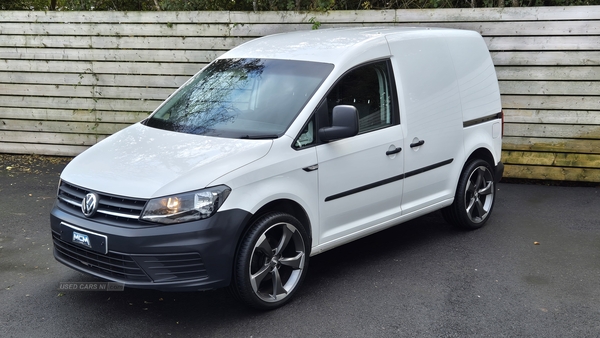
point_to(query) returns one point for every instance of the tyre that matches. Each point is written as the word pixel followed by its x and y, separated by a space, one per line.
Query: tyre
pixel 271 262
pixel 475 196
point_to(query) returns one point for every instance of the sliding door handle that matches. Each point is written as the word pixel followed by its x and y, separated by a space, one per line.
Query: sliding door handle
pixel 417 144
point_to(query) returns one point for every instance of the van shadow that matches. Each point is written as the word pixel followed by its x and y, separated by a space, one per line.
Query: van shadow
pixel 216 312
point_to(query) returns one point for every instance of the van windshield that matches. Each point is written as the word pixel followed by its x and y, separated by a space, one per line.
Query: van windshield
pixel 242 98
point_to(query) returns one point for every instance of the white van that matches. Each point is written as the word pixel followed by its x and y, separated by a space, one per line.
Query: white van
pixel 282 148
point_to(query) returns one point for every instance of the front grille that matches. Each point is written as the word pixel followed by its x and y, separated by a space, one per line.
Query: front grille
pixel 113 210
pixel 112 265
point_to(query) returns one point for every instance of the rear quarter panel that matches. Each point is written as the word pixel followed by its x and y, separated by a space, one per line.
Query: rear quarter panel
pixel 476 75
pixel 479 92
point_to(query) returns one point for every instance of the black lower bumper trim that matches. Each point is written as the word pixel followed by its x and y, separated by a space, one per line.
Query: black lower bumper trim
pixel 182 257
pixel 498 172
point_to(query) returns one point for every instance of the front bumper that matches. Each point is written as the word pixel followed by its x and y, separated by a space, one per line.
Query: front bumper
pixel 180 257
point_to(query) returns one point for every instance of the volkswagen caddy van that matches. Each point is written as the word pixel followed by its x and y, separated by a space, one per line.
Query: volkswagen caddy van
pixel 282 148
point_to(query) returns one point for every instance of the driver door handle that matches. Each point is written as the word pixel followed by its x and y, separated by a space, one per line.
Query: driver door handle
pixel 392 152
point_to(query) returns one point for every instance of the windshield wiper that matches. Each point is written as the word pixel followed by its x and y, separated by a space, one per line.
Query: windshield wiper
pixel 259 137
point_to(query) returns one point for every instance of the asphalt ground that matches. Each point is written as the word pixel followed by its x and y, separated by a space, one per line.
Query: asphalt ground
pixel 532 271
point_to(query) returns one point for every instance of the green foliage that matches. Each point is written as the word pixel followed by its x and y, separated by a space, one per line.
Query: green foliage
pixel 79 5
pixel 269 5
pixel 195 5
pixel 322 5
pixel 315 24
pixel 25 4
pixel 107 5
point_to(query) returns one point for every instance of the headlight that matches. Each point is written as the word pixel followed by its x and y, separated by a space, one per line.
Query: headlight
pixel 186 207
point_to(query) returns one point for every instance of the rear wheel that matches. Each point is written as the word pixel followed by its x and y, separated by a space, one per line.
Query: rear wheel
pixel 271 262
pixel 475 196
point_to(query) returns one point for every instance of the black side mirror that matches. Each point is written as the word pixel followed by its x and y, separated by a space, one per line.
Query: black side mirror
pixel 344 124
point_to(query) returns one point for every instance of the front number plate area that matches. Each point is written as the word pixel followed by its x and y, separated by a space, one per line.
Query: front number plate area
pixel 84 238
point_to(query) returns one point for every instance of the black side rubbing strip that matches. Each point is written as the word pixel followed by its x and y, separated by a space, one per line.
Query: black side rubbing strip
pixel 388 180
pixel 364 187
pixel 427 168
pixel 482 120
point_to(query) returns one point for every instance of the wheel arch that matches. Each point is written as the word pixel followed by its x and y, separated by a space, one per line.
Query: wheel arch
pixel 282 205
pixel 481 153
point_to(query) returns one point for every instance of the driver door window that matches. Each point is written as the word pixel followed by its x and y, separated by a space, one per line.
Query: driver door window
pixel 368 89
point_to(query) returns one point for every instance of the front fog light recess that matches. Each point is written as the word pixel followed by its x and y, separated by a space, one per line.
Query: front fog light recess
pixel 186 207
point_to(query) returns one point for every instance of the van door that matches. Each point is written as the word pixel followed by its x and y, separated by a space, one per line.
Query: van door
pixel 431 115
pixel 360 178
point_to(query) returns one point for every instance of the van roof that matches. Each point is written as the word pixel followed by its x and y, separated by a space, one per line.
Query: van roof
pixel 329 45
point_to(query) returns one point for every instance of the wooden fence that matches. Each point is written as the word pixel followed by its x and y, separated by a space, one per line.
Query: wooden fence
pixel 70 79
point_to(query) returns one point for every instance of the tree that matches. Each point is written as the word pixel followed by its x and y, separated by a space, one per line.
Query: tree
pixel 269 5
pixel 25 4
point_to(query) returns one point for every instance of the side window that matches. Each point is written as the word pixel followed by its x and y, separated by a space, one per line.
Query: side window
pixel 368 89
pixel 307 136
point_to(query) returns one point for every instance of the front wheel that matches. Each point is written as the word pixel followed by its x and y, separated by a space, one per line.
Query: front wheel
pixel 271 262
pixel 475 196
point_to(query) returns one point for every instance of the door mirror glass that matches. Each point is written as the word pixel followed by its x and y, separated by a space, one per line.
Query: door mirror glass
pixel 344 124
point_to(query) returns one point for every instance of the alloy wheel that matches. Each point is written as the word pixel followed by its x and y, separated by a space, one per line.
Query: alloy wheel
pixel 277 261
pixel 479 194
